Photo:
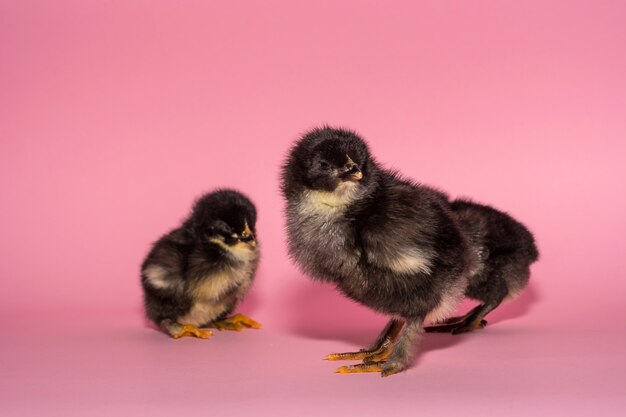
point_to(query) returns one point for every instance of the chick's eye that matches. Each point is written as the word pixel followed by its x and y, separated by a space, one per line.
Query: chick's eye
pixel 324 165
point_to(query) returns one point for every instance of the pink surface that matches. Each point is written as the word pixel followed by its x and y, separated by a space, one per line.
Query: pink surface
pixel 115 115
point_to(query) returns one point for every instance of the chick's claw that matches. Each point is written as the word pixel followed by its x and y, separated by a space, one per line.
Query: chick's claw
pixel 190 330
pixel 347 356
pixel 238 322
pixel 366 355
pixel 360 368
pixel 385 368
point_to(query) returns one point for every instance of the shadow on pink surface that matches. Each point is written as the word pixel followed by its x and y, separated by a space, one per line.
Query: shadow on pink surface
pixel 319 311
pixel 517 307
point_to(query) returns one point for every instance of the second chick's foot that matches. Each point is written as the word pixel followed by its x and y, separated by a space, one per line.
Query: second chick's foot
pixel 238 322
pixel 368 356
pixel 385 368
pixel 190 330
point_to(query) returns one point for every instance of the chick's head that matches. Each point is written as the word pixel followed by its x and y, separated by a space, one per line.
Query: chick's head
pixel 326 159
pixel 225 217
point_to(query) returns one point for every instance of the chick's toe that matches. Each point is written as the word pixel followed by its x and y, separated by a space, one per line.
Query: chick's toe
pixel 237 323
pixel 190 330
pixel 366 355
pixel 360 368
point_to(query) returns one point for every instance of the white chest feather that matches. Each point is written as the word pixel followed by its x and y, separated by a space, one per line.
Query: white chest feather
pixel 326 203
pixel 320 236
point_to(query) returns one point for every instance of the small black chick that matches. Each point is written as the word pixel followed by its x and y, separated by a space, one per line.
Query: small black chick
pixel 195 275
pixel 391 244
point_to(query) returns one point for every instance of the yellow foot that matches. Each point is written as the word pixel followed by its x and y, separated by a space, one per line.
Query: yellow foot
pixel 385 368
pixel 190 330
pixel 367 356
pixel 360 368
pixel 347 356
pixel 237 323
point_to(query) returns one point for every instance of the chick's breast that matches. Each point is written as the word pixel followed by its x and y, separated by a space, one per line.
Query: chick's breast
pixel 321 239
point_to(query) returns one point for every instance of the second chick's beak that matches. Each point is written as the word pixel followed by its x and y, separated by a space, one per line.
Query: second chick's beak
pixel 248 237
pixel 351 170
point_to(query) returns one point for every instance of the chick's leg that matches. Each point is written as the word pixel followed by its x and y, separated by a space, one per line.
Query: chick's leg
pixel 177 330
pixel 453 322
pixel 492 293
pixel 400 356
pixel 378 351
pixel 474 320
pixel 237 323
pixel 389 334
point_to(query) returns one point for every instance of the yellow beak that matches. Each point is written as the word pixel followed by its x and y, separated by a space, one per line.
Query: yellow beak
pixel 248 233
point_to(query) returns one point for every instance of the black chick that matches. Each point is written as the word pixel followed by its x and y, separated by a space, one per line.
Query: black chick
pixel 386 242
pixel 195 275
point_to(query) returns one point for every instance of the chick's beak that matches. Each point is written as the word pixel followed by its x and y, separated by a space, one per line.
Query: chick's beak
pixel 351 170
pixel 356 175
pixel 248 236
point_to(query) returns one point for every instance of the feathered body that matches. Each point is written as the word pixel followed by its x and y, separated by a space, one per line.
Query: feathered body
pixel 196 274
pixel 389 243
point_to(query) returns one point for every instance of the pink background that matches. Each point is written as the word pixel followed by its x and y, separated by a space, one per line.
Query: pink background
pixel 115 115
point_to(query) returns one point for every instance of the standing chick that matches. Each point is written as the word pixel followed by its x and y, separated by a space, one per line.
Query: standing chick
pixel 195 275
pixel 393 245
